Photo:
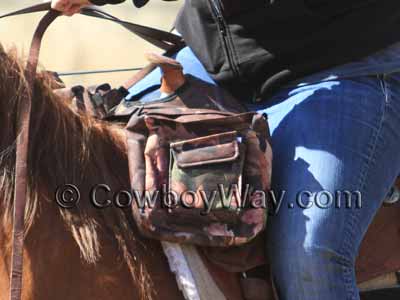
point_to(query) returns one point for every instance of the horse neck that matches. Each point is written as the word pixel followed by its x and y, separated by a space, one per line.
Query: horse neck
pixel 66 147
pixel 88 153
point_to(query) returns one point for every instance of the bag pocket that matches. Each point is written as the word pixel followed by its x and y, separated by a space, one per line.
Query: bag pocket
pixel 206 172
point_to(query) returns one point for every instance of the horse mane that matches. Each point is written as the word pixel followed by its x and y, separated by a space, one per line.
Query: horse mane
pixel 66 147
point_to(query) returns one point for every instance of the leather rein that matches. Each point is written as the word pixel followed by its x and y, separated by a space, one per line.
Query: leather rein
pixel 164 40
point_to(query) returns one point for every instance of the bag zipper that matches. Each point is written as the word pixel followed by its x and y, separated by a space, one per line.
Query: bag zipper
pixel 216 8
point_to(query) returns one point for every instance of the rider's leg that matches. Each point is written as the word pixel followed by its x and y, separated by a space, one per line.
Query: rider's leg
pixel 334 136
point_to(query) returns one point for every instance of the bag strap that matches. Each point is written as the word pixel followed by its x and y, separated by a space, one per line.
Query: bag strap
pixel 21 168
pixel 159 38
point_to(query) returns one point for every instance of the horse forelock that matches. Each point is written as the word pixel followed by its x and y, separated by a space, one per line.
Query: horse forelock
pixel 65 148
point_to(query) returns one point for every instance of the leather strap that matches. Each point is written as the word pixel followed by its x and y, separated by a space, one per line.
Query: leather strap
pixel 21 176
pixel 31 9
pixel 162 39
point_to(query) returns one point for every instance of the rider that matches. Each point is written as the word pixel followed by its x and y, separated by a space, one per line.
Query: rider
pixel 334 132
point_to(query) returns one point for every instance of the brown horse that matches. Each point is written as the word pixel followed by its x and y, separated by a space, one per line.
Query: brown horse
pixel 85 252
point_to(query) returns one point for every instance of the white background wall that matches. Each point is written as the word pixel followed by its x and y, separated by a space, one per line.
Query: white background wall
pixel 83 43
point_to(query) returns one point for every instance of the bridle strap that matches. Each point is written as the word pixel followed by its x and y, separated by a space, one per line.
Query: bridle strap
pixel 159 38
pixel 30 9
pixel 21 171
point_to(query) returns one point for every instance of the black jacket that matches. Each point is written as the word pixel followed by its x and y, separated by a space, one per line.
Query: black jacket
pixel 255 46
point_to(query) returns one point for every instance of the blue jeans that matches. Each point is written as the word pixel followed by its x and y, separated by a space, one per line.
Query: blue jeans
pixel 328 138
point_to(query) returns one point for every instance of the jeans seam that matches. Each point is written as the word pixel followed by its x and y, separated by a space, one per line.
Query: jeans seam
pixel 384 86
pixel 351 222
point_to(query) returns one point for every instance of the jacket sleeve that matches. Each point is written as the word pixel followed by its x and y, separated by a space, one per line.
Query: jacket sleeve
pixel 103 2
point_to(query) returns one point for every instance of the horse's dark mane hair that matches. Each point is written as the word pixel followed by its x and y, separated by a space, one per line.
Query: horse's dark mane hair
pixel 66 147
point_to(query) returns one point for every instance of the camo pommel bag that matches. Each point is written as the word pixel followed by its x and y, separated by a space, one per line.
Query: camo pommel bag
pixel 200 172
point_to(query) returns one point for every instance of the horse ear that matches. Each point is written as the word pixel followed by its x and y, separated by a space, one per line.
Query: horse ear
pixel 172 71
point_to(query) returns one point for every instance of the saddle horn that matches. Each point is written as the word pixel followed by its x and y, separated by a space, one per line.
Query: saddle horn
pixel 172 72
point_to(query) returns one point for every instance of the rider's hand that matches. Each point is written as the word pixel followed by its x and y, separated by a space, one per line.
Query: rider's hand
pixel 69 7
